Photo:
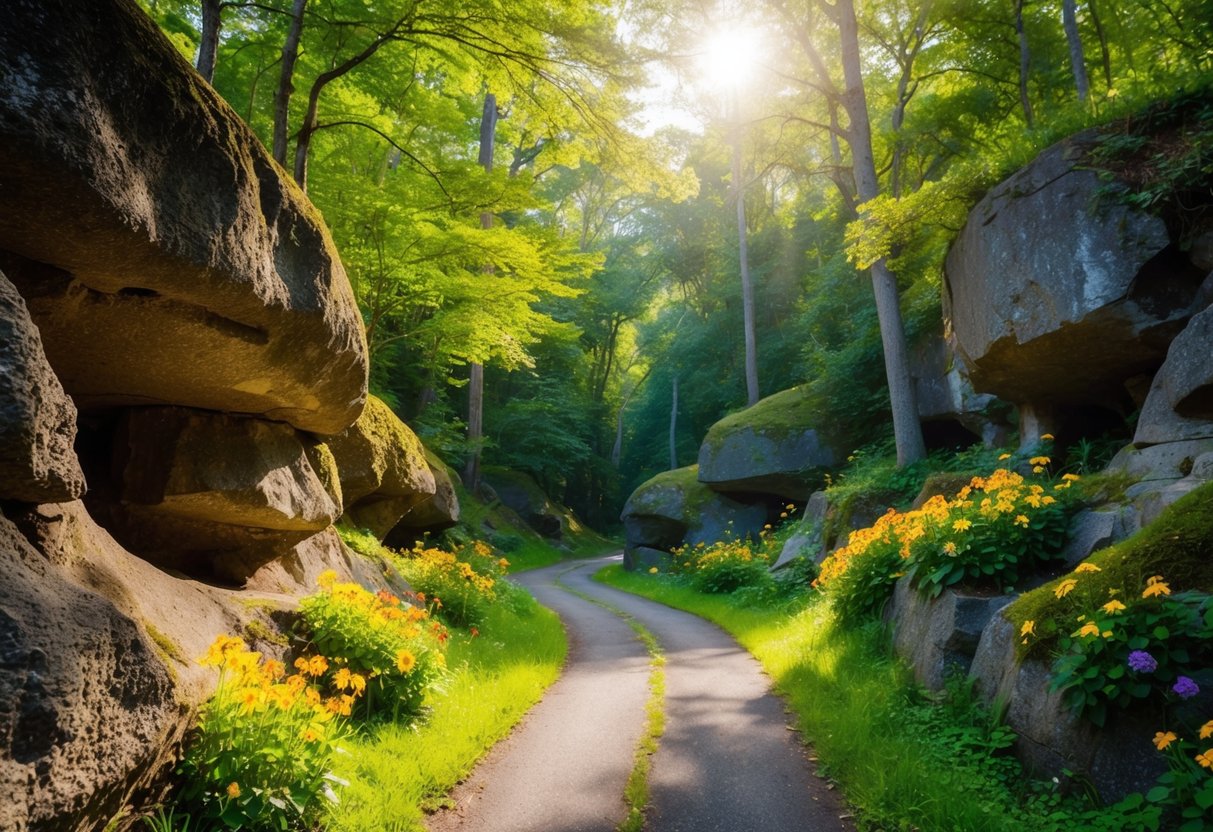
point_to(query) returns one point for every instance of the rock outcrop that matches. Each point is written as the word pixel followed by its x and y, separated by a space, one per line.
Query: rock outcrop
pixel 522 494
pixel 1057 296
pixel 770 448
pixel 383 469
pixel 944 394
pixel 1179 405
pixel 674 508
pixel 432 515
pixel 38 462
pixel 164 256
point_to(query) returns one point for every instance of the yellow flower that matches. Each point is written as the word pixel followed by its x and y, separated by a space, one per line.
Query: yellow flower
pixel 949 548
pixel 1039 460
pixel 783 515
pixel 1156 586
pixel 341 679
pixel 405 661
pixel 1063 588
pixel 1113 607
pixel 233 790
pixel 1028 628
pixel 317 665
pixel 1046 436
pixel 962 525
pixel 1022 520
pixel 1038 469
pixel 1088 629
pixel 1087 567
pixel 653 570
pixel 357 683
pixel 1162 740
pixel 1206 730
pixel 1002 457
pixel 327 579
pixel 1071 477
pixel 1206 759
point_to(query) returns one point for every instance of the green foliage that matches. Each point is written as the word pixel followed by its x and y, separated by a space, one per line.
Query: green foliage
pixel 391 646
pixel 460 587
pixel 1175 545
pixel 260 756
pixel 1171 636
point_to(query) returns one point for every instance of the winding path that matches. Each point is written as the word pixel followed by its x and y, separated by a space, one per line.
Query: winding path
pixel 728 761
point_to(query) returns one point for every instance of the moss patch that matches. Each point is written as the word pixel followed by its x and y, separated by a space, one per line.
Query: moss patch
pixel 695 495
pixel 1178 546
pixel 775 416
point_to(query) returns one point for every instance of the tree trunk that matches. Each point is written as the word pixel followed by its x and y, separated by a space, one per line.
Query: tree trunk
pixel 907 431
pixel 1104 56
pixel 208 44
pixel 674 426
pixel 747 286
pixel 1025 60
pixel 1069 19
pixel 286 82
pixel 488 130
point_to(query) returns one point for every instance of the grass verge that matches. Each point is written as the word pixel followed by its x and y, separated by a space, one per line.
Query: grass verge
pixel 906 760
pixel 396 773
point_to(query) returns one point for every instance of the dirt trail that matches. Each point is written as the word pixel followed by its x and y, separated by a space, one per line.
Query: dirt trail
pixel 727 761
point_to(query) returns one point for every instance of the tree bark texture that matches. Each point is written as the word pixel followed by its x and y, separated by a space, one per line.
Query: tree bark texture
pixel 747 286
pixel 286 82
pixel 907 431
pixel 1025 61
pixel 674 425
pixel 488 130
pixel 1069 19
pixel 208 43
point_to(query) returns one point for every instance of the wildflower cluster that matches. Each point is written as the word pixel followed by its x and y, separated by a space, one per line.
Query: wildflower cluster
pixel 262 749
pixel 1187 786
pixel 379 647
pixel 459 587
pixel 1146 644
pixel 731 564
pixel 992 529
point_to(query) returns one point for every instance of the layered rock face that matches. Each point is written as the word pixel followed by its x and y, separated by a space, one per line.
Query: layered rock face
pixel 172 260
pixel 162 275
pixel 1059 296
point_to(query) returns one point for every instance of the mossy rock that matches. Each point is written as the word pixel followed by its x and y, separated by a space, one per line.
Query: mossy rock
pixel 770 448
pixel 674 507
pixel 521 493
pixel 1178 546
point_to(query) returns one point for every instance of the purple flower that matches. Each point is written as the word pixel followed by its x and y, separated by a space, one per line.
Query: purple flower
pixel 1142 662
pixel 1185 688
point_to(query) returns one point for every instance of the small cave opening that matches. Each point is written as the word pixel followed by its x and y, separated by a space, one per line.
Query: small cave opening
pixel 947 435
pixel 1088 436
pixel 1167 284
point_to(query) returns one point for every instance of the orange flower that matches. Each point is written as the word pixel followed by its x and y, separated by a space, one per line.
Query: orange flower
pixel 1064 588
pixel 405 661
pixel 233 790
pixel 1156 586
pixel 1087 567
pixel 1206 759
pixel 1162 740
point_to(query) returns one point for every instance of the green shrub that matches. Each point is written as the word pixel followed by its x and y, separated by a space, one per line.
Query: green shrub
pixel 460 587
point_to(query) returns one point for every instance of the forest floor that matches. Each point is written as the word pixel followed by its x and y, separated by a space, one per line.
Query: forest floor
pixel 728 760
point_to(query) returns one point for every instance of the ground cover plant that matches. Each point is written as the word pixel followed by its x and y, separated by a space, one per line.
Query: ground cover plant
pixel 904 759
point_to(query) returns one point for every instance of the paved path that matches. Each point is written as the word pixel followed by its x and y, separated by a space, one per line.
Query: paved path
pixel 727 761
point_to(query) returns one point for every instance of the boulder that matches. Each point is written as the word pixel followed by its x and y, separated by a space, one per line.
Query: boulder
pixel 382 467
pixel 522 494
pixel 674 508
pixel 208 493
pixel 38 462
pixel 943 393
pixel 99 647
pixel 87 709
pixel 1091 530
pixel 1179 405
pixel 1054 742
pixel 770 448
pixel 165 257
pixel 808 541
pixel 1055 295
pixel 432 515
pixel 939 636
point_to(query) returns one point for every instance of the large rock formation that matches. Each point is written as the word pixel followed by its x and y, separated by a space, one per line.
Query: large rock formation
pixel 212 494
pixel 164 256
pixel 1179 406
pixel 37 419
pixel 674 508
pixel 383 468
pixel 522 494
pixel 1058 296
pixel 432 515
pixel 770 448
pixel 945 396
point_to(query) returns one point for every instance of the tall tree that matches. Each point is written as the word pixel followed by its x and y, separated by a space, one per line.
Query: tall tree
pixel 1069 18
pixel 286 82
pixel 488 132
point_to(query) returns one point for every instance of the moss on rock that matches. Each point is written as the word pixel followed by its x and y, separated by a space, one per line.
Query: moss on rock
pixel 1177 546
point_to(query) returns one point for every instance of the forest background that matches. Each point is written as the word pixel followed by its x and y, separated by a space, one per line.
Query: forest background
pixel 512 196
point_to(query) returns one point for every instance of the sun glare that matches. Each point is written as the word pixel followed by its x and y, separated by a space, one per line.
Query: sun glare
pixel 730 56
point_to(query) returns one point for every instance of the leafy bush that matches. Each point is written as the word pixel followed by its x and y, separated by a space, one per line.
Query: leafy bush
pixel 724 566
pixel 991 530
pixel 1125 652
pixel 460 591
pixel 1187 787
pixel 374 642
pixel 260 755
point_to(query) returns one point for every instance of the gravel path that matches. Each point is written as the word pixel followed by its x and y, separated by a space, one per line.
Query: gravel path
pixel 727 762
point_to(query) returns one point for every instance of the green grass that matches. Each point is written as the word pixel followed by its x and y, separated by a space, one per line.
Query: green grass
pixel 905 760
pixel 397 772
